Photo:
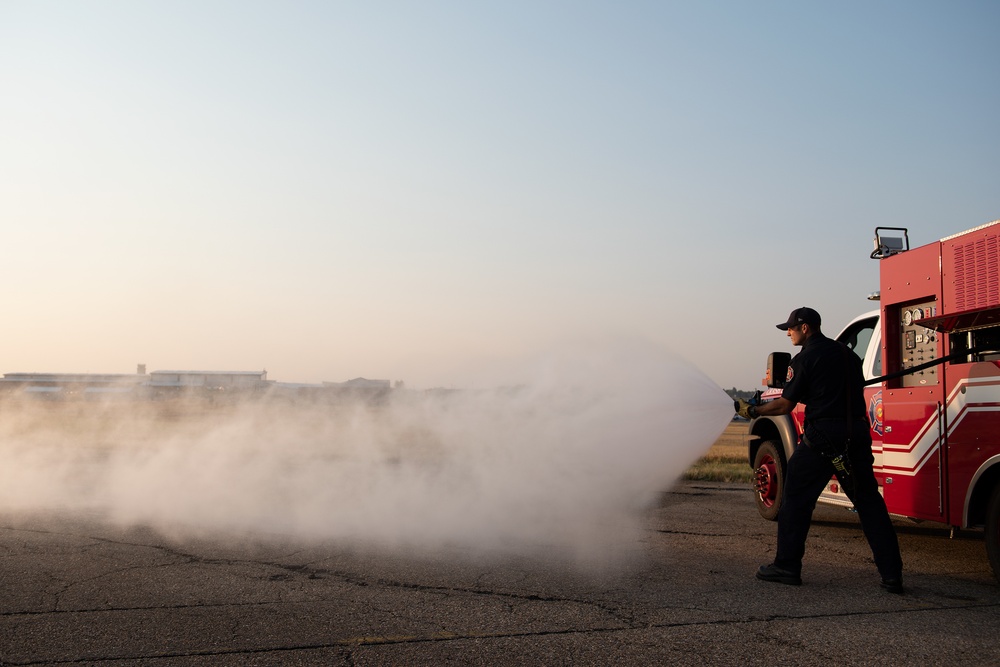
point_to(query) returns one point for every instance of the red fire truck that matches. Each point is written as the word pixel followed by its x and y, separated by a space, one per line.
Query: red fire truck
pixel 931 356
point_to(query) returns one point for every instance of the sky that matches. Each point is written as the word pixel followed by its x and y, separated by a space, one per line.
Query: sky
pixel 416 191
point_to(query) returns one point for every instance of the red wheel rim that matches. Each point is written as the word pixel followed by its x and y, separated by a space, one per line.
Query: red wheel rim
pixel 765 481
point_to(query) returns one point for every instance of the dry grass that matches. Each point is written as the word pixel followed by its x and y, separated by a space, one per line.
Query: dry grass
pixel 726 460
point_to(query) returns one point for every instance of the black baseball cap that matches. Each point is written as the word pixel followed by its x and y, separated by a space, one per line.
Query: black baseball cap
pixel 799 316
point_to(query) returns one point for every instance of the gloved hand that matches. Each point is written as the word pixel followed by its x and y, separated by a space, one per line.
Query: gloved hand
pixel 744 409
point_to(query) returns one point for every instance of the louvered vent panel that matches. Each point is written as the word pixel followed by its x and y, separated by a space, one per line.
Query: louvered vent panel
pixel 977 273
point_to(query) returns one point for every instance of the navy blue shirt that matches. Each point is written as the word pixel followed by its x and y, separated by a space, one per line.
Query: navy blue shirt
pixel 827 378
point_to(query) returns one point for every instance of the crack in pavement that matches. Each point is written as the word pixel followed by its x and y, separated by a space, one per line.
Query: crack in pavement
pixel 450 636
pixel 185 558
pixel 695 533
pixel 305 569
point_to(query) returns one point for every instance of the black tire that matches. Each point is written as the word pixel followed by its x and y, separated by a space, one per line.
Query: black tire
pixel 993 531
pixel 769 479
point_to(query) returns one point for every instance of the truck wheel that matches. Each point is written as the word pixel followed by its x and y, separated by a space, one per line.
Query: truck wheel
pixel 993 531
pixel 769 479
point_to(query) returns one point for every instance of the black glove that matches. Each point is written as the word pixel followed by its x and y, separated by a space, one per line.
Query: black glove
pixel 744 409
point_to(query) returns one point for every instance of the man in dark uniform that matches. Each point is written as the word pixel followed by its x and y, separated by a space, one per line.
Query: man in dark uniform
pixel 827 378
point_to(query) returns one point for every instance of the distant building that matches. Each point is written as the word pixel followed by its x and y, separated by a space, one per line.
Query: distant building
pixel 360 383
pixel 210 380
pixel 360 388
pixel 53 385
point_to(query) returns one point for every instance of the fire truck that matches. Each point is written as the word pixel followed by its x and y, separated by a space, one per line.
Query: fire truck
pixel 931 357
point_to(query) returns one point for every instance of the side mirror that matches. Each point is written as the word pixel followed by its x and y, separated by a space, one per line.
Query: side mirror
pixel 777 369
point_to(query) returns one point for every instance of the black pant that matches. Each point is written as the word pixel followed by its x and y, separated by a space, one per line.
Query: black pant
pixel 807 475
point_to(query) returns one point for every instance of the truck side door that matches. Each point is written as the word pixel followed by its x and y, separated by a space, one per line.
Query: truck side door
pixel 864 337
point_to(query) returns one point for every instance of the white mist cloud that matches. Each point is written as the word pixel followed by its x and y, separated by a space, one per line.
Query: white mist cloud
pixel 562 450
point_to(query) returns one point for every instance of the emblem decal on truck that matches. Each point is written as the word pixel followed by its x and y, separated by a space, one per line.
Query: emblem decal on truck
pixel 875 412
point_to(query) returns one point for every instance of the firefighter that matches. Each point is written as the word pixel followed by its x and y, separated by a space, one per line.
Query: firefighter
pixel 827 378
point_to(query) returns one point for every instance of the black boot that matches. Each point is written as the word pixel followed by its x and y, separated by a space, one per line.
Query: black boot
pixel 774 573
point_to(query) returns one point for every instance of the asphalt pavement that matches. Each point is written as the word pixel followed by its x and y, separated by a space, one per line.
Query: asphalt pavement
pixel 75 590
